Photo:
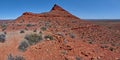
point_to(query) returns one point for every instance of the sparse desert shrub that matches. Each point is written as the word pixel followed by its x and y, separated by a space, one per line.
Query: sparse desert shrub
pixel 33 38
pixel 2 38
pixel 23 46
pixel 65 41
pixel 109 27
pixel 10 57
pixel 64 52
pixel 77 58
pixel 48 37
pixel 29 40
pixel 43 28
pixel 22 31
pixel 111 49
pixel 60 34
pixel 47 24
pixel 19 58
pixel 35 30
pixel 90 41
pixel 4 26
pixel 104 46
pixel 72 35
pixel 29 25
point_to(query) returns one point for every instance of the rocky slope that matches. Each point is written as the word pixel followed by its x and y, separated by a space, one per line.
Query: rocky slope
pixel 72 38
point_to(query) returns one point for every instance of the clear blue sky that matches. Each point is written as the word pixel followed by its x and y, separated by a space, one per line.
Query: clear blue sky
pixel 85 9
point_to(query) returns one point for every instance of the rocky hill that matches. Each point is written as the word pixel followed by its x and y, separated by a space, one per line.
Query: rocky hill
pixel 58 35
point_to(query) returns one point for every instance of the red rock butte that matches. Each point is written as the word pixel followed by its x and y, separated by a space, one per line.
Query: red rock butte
pixel 55 13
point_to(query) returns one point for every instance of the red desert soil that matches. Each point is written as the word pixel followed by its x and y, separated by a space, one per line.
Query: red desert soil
pixel 111 24
pixel 73 38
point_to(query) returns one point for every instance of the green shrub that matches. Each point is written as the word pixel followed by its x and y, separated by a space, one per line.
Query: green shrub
pixel 23 46
pixel 90 41
pixel 19 58
pixel 35 30
pixel 2 38
pixel 77 58
pixel 4 26
pixel 111 49
pixel 48 37
pixel 33 38
pixel 43 28
pixel 29 25
pixel 10 57
pixel 22 31
pixel 47 24
pixel 29 40
pixel 72 35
